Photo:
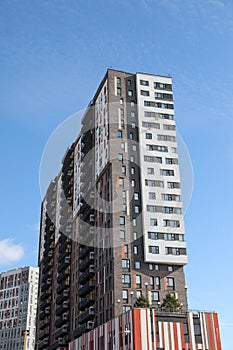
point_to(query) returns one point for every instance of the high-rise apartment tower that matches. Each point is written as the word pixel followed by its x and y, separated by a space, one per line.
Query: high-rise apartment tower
pixel 112 226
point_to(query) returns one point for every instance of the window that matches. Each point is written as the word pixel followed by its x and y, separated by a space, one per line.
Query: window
pixel 125 263
pixel 121 101
pixel 119 134
pixel 131 135
pixel 136 196
pixel 134 222
pixel 122 234
pixel 126 250
pixel 125 295
pixel 132 114
pixel 133 125
pixel 122 220
pixel 123 194
pixel 150 171
pixel 157 267
pixel 124 207
pixel 153 249
pixel 144 82
pixel 122 123
pixel 152 281
pixel 151 195
pixel 130 93
pixel 126 279
pixel 121 181
pixel 132 159
pixel 132 103
pixel 137 265
pixel 173 185
pixel 170 268
pixel 129 82
pixel 122 112
pixel 153 235
pixel 134 148
pixel 155 296
pixel 148 136
pixel 118 80
pixel 157 282
pixel 122 145
pixel 132 171
pixel 170 283
pixel 136 209
pixel 119 91
pixel 166 172
pixel 120 156
pixel 152 159
pixel 133 183
pixel 145 93
pixel 171 161
pixel 135 236
pixel 171 223
pixel 154 183
pixel 150 267
pixel 153 222
pixel 138 281
pixel 138 293
pixel 123 169
pixel 135 249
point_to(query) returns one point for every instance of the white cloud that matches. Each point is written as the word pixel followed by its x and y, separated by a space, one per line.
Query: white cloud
pixel 10 252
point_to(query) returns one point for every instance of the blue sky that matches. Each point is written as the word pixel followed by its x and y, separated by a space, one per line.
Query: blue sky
pixel 53 54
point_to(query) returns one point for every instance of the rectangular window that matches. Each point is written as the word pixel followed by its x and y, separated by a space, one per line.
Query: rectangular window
pixel 119 134
pixel 153 235
pixel 154 183
pixel 119 91
pixel 152 195
pixel 134 148
pixel 170 283
pixel 123 169
pixel 136 209
pixel 173 185
pixel 148 136
pixel 121 101
pixel 167 172
pixel 132 114
pixel 120 157
pixel 138 281
pixel 132 171
pixel 150 171
pixel 155 296
pixel 153 249
pixel 135 249
pixel 133 125
pixel 171 223
pixel 132 103
pixel 125 263
pixel 125 296
pixel 126 278
pixel 145 93
pixel 122 145
pixel 130 93
pixel 153 222
pixel 136 196
pixel 144 82
pixel 133 183
pixel 137 265
pixel 121 181
pixel 129 82
pixel 122 235
pixel 122 220
pixel 157 282
pixel 118 80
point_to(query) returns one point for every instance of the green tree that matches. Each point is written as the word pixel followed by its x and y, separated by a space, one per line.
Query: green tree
pixel 141 302
pixel 170 303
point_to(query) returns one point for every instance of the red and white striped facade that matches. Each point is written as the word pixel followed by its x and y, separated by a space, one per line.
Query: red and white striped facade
pixel 148 329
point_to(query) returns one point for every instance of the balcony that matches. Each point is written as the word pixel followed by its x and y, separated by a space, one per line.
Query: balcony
pixel 87 262
pixel 87 274
pixel 49 241
pixel 47 267
pixel 87 315
pixel 44 323
pixel 66 245
pixel 63 264
pixel 88 287
pixel 87 301
pixel 63 275
pixel 45 304
pixel 64 285
pixel 64 296
pixel 84 251
pixel 47 276
pixel 62 331
pixel 63 308
pixel 45 295
pixel 61 320
pixel 43 333
pixel 46 284
pixel 47 257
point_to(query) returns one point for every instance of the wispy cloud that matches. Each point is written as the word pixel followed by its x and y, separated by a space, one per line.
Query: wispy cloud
pixel 10 252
